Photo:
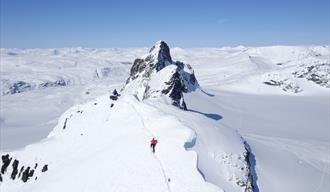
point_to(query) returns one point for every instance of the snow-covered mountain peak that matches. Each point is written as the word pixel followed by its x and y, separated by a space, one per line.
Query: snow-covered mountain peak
pixel 160 55
pixel 157 58
pixel 257 117
pixel 158 75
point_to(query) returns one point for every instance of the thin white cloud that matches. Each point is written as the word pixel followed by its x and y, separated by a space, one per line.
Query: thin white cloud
pixel 221 21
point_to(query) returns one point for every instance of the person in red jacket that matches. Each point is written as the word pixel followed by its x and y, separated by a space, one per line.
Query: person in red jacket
pixel 153 143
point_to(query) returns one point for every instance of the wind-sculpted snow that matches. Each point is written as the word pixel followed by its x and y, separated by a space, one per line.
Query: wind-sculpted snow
pixel 111 146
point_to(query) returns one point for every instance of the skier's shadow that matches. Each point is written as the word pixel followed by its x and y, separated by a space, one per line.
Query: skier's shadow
pixel 209 115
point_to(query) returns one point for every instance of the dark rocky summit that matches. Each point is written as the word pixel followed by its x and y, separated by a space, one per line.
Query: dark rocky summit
pixel 157 74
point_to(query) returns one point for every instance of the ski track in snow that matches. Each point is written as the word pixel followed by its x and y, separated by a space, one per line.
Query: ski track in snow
pixel 166 162
pixel 166 177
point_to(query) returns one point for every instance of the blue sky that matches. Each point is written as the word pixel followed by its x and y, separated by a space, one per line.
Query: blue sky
pixel 184 23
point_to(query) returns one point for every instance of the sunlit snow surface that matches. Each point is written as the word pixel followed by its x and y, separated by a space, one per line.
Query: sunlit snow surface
pixel 288 132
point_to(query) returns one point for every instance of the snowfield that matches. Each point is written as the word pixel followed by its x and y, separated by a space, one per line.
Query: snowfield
pixel 23 116
pixel 273 102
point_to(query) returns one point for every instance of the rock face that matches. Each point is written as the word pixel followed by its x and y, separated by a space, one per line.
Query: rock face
pixel 15 171
pixel 318 73
pixel 9 87
pixel 157 75
pixel 18 87
pixel 287 84
pixel 5 163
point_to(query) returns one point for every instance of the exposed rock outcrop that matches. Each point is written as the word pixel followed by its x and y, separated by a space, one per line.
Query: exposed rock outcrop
pixel 157 74
pixel 9 87
pixel 19 87
pixel 6 159
pixel 318 73
pixel 15 169
pixel 10 169
pixel 57 83
pixel 285 83
pixel 44 168
pixel 27 174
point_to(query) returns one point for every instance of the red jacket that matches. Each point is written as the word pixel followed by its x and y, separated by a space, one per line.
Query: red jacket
pixel 153 141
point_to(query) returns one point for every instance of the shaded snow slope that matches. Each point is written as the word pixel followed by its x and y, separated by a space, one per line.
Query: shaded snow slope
pixel 289 142
pixel 288 133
